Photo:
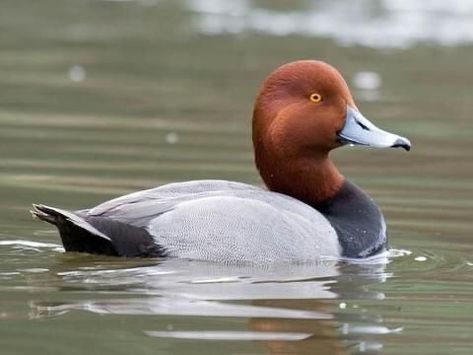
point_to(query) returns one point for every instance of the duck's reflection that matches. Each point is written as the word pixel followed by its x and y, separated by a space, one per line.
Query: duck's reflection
pixel 291 308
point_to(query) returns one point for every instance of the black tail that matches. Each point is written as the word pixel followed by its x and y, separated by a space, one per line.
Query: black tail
pixel 98 235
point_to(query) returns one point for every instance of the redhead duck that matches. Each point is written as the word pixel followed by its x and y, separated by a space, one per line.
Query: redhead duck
pixel 303 110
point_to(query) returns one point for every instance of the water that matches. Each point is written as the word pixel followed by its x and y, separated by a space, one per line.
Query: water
pixel 100 98
pixel 373 23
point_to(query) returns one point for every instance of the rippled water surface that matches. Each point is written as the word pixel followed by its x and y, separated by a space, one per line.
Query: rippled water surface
pixel 100 98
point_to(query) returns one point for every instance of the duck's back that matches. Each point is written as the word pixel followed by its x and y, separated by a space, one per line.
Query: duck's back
pixel 224 221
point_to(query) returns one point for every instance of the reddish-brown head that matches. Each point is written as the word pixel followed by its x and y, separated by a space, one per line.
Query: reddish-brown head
pixel 298 111
pixel 300 108
pixel 303 110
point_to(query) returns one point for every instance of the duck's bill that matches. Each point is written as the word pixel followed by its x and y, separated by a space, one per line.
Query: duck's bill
pixel 359 130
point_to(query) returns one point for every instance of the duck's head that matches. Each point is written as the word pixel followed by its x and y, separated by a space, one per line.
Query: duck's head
pixel 303 110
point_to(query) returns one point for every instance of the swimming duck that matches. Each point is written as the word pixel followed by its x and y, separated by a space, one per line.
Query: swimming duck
pixel 309 211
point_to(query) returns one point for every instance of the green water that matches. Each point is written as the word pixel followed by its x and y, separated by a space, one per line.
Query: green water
pixel 153 101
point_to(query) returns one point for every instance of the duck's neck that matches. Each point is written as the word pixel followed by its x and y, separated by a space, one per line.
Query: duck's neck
pixel 357 220
pixel 309 179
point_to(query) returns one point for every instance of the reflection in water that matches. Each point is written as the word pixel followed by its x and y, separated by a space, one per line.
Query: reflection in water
pixel 229 335
pixel 177 307
pixel 290 308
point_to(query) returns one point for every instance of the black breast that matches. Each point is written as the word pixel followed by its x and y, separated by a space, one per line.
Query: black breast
pixel 357 220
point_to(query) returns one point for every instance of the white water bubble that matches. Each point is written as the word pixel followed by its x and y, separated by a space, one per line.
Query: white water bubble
pixel 172 138
pixel 76 73
pixel 420 258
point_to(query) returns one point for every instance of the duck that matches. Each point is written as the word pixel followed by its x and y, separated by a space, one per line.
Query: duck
pixel 306 212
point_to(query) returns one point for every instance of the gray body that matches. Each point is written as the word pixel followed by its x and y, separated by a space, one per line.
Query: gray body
pixel 225 221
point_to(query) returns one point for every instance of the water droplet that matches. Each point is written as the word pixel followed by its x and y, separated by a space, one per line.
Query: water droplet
pixel 77 73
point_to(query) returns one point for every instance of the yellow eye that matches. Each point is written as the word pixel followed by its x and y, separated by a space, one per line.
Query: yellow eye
pixel 316 98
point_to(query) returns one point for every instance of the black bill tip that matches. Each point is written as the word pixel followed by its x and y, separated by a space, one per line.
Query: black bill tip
pixel 402 143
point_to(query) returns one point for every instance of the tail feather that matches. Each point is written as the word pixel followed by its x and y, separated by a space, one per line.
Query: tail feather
pixel 98 235
pixel 76 234
pixel 53 215
pixel 37 213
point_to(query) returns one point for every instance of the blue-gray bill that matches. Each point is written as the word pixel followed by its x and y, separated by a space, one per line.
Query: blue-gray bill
pixel 359 130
